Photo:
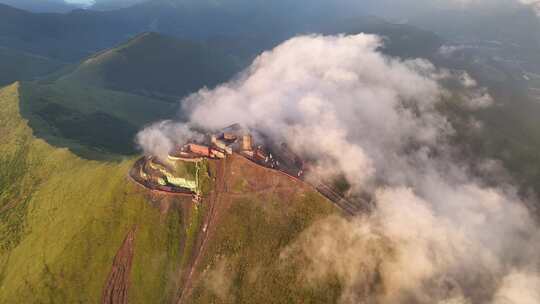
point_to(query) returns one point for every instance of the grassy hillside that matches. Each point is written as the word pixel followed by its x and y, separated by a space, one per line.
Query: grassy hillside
pixel 63 219
pixel 156 65
pixel 244 254
pixel 96 108
pixel 259 214
pixel 94 123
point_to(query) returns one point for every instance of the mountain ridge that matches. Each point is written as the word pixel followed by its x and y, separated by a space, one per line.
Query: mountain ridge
pixel 49 205
pixel 152 64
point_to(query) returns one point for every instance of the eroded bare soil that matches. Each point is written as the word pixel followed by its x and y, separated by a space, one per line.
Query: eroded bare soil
pixel 117 285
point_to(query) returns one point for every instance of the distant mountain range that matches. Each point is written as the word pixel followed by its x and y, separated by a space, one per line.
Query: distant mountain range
pixel 42 6
pixel 68 38
pixel 80 33
pixel 103 5
pixel 107 59
pixel 62 6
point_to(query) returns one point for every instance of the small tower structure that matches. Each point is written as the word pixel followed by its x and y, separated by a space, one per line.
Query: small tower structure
pixel 247 142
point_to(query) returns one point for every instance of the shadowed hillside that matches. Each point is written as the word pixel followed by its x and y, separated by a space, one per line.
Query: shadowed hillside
pixel 64 218
pixel 92 122
pixel 155 65
pixel 96 108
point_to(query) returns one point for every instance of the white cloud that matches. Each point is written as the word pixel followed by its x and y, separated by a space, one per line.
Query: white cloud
pixel 519 288
pixel 325 96
pixel 162 137
pixel 412 250
pixel 438 234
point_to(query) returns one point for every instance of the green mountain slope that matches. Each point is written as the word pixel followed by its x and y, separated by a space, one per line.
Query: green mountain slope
pixel 96 108
pixel 93 122
pixel 65 221
pixel 155 65
pixel 64 218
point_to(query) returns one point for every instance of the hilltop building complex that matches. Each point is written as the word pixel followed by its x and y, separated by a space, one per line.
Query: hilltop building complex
pixel 181 171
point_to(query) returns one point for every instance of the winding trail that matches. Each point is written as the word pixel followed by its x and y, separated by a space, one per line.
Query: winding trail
pixel 214 199
pixel 117 285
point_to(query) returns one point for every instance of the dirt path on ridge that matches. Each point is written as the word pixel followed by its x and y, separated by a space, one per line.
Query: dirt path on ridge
pixel 213 200
pixel 117 285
